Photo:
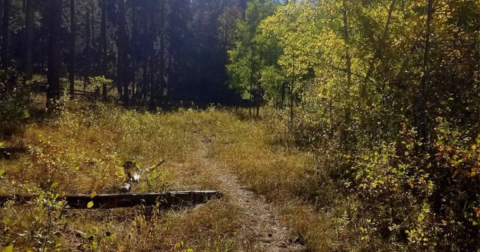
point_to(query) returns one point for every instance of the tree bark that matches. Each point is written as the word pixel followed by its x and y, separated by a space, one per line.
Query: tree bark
pixel 347 52
pixel 133 70
pixel 29 28
pixel 349 71
pixel 6 35
pixel 291 89
pixel 378 50
pixel 87 51
pixel 103 45
pixel 93 42
pixel 53 75
pixel 163 84
pixel 251 82
pixel 73 36
pixel 94 53
pixel 422 99
pixel 157 94
pixel 122 52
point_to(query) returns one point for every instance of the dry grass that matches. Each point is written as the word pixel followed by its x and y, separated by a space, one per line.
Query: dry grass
pixel 82 151
pixel 264 155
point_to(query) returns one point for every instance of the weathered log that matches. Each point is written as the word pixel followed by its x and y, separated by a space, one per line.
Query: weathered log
pixel 7 152
pixel 108 201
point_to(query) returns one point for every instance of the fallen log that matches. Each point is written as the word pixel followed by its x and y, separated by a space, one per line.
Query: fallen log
pixel 83 93
pixel 107 201
pixel 7 152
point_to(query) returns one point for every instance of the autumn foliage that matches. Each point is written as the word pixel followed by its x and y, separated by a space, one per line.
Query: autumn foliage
pixel 387 93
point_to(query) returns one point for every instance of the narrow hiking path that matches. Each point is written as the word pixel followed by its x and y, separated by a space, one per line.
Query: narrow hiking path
pixel 259 227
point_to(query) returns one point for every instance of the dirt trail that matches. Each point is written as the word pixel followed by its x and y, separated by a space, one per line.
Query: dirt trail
pixel 259 227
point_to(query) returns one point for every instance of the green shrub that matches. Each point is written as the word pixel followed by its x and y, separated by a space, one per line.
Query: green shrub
pixel 15 99
pixel 424 196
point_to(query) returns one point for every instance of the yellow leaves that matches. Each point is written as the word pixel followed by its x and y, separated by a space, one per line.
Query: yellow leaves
pixel 9 248
pixel 410 184
pixel 477 211
pixel 473 173
pixel 457 53
pixel 90 204
pixel 441 148
pixel 475 170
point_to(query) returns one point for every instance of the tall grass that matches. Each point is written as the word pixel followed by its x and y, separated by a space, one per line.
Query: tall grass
pixel 82 150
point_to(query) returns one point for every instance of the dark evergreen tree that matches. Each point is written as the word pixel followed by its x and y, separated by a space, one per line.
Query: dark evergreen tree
pixel 29 30
pixel 158 52
pixel 122 83
pixel 5 35
pixel 104 45
pixel 179 49
pixel 73 38
pixel 54 61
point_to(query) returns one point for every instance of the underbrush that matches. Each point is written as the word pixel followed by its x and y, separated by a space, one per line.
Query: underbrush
pixel 81 149
pixel 420 197
pixel 15 98
pixel 269 161
pixel 404 194
pixel 396 196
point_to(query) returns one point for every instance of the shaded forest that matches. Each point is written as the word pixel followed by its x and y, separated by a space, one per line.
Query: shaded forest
pixel 155 52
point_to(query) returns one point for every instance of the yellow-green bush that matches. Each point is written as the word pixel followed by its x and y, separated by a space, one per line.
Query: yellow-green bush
pixel 425 196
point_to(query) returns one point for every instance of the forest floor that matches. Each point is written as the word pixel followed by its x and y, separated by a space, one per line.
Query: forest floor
pixel 259 225
pixel 267 182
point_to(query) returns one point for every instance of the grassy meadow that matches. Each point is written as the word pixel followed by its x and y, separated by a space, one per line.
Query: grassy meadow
pixel 82 148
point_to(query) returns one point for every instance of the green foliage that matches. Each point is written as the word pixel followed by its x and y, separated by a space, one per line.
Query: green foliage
pixel 94 239
pixel 15 99
pixel 360 72
pixel 53 164
pixel 253 53
pixel 39 228
pixel 81 151
pixel 99 81
pixel 180 247
pixel 9 248
pixel 421 197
